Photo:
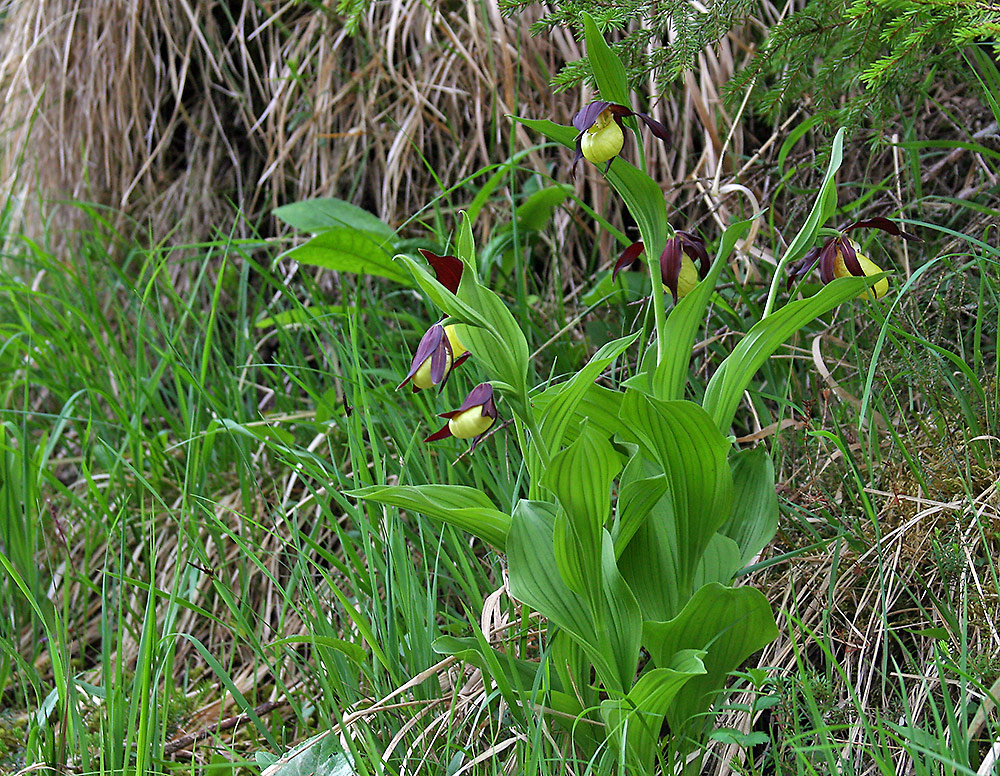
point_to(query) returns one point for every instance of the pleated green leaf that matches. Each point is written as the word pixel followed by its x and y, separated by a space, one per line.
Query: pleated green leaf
pixel 345 249
pixel 609 72
pixel 683 440
pixel 754 518
pixel 642 484
pixel 596 407
pixel 580 477
pixel 720 562
pixel 562 401
pixel 639 716
pixel 729 624
pixel 463 507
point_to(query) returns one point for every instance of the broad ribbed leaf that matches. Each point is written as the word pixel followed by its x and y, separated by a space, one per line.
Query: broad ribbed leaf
pixel 686 318
pixel 609 72
pixel 597 407
pixel 535 579
pixel 344 249
pixel 639 716
pixel 649 563
pixel 463 507
pixel 642 484
pixel 754 518
pixel 725 389
pixel 720 562
pixel 319 215
pixel 729 624
pixel 581 477
pixel 682 439
pixel 620 622
pixel 563 401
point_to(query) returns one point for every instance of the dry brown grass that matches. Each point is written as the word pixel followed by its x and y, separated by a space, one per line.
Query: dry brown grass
pixel 176 112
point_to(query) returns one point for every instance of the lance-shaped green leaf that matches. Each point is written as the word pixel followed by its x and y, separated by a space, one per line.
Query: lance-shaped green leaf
pixel 754 519
pixel 686 318
pixel 320 215
pixel 345 249
pixel 641 486
pixel 581 477
pixel 729 624
pixel 725 389
pixel 609 72
pixel 463 507
pixel 562 401
pixel 638 717
pixel 691 451
pixel 824 206
pixel 609 632
pixel 596 407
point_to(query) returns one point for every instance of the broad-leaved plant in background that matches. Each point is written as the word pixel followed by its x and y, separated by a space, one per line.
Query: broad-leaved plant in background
pixel 640 511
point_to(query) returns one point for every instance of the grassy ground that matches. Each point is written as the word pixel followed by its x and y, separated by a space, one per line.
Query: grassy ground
pixel 186 588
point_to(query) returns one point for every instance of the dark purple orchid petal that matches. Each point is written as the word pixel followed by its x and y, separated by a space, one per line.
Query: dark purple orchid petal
pixel 827 259
pixel 441 433
pixel 850 257
pixel 447 269
pixel 880 222
pixel 656 128
pixel 627 259
pixel 586 116
pixel 670 265
pixel 429 345
pixel 803 266
pixel 481 394
pixel 440 359
pixel 576 159
pixel 694 247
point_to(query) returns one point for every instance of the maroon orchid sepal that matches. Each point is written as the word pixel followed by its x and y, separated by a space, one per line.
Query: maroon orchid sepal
pixel 447 269
pixel 472 419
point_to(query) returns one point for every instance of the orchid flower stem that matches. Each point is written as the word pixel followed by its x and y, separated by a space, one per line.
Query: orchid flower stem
pixel 772 292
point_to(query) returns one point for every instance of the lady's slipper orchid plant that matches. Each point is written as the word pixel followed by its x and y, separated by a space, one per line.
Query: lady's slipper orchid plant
pixel 841 257
pixel 602 133
pixel 677 268
pixel 473 419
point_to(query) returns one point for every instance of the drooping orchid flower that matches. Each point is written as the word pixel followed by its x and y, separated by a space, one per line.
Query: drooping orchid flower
pixel 602 133
pixel 473 419
pixel 438 353
pixel 841 257
pixel 677 268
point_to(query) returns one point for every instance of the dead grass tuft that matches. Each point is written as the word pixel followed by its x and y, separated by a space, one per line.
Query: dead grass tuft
pixel 177 112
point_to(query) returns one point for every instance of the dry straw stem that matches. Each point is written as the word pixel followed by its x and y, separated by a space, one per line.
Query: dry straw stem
pixel 179 111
